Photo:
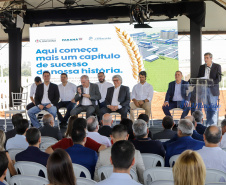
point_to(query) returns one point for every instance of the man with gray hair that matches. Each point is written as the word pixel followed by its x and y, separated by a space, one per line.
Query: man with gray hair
pixel 213 156
pixel 184 142
pixel 198 116
pixel 48 129
pixel 223 140
pixel 117 98
pixel 106 129
pixel 87 95
pixel 142 142
pixel 93 127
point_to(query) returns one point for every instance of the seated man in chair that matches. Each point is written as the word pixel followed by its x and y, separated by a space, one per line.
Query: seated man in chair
pixel 117 98
pixel 176 96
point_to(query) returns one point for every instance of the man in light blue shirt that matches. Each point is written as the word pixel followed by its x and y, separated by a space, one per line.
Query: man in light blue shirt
pixel 122 158
pixel 213 156
pixel 19 141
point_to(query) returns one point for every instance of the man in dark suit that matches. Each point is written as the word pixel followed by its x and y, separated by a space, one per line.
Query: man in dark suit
pixel 176 96
pixel 87 95
pixel 117 98
pixel 198 117
pixel 210 70
pixel 142 142
pixel 49 129
pixel 167 133
pixel 106 129
pixel 15 119
pixel 46 98
pixel 184 141
pixel 33 153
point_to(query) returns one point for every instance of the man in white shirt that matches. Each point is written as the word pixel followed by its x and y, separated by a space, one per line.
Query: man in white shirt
pixel 93 127
pixel 119 133
pixel 87 95
pixel 117 98
pixel 46 98
pixel 223 140
pixel 103 86
pixel 32 92
pixel 67 93
pixel 122 158
pixel 142 95
pixel 213 156
pixel 19 141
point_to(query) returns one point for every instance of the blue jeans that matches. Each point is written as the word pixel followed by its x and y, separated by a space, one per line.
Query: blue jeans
pixel 211 108
pixel 34 110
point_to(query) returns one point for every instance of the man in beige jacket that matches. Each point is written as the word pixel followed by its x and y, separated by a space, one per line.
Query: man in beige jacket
pixel 119 132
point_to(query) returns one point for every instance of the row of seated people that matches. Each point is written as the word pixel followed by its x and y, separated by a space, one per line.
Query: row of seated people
pixel 97 99
pixel 189 168
pixel 83 148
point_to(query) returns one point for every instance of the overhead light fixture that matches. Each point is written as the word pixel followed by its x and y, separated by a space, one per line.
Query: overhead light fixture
pixel 142 26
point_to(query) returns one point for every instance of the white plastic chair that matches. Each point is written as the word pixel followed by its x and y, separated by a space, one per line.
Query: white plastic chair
pixel 105 171
pixel 157 173
pixel 8 176
pixel 213 175
pixel 45 145
pixel 19 102
pixel 176 112
pixel 84 181
pixel 78 169
pixel 30 168
pixel 223 149
pixel 140 109
pixel 164 140
pixel 28 180
pixel 173 160
pixel 45 139
pixel 216 183
pixel 115 114
pixel 12 152
pixel 4 182
pixel 162 182
pixel 151 160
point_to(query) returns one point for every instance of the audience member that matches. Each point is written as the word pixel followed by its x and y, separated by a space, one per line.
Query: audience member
pixel 142 95
pixel 223 140
pixel 67 92
pixel 167 133
pixel 198 116
pixel 146 118
pixel 46 98
pixel 103 86
pixel 129 125
pixel 117 98
pixel 59 169
pixel 19 140
pixel 87 95
pixel 213 156
pixel 33 153
pixel 142 142
pixel 106 129
pixel 3 167
pixel 189 169
pixel 32 92
pixel 195 134
pixel 184 141
pixel 93 127
pixel 122 158
pixel 48 129
pixel 15 119
pixel 70 126
pixel 176 96
pixel 80 154
pixel 67 142
pixel 2 149
pixel 119 132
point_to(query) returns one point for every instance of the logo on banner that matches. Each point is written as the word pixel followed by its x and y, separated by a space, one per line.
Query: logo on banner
pixel 71 40
pixel 99 38
pixel 45 40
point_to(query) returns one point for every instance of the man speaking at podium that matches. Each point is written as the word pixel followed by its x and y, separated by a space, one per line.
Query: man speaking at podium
pixel 210 70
